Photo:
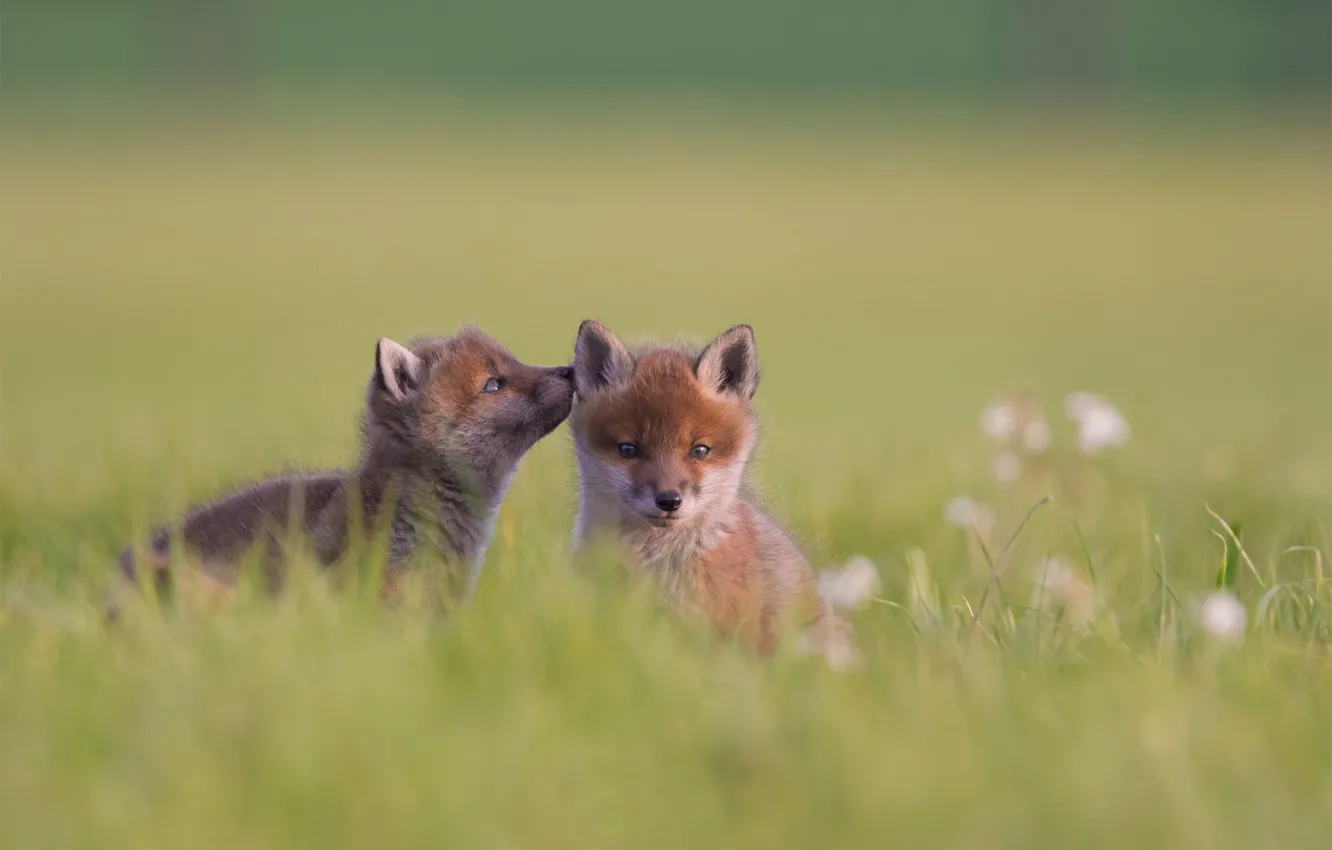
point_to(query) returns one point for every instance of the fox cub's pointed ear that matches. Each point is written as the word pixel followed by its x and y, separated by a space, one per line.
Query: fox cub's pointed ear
pixel 397 369
pixel 601 362
pixel 729 365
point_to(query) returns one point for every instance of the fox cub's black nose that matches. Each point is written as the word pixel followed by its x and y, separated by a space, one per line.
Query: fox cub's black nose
pixel 565 372
pixel 669 501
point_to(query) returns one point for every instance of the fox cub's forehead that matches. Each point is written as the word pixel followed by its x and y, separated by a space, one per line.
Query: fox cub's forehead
pixel 664 369
pixel 472 343
pixel 469 346
pixel 457 367
pixel 468 350
pixel 663 402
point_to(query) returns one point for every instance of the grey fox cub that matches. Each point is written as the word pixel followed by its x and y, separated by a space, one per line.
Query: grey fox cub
pixel 446 423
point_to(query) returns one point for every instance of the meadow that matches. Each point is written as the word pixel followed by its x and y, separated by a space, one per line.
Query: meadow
pixel 187 305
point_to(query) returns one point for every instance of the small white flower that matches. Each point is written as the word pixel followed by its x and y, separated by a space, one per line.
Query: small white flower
pixel 1036 436
pixel 1060 583
pixel 958 510
pixel 965 512
pixel 1102 429
pixel 1057 575
pixel 832 639
pixel 1077 405
pixel 840 654
pixel 1100 424
pixel 852 586
pixel 1223 616
pixel 999 421
pixel 1007 467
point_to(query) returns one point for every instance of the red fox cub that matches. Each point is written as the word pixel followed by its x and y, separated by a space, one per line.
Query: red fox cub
pixel 446 422
pixel 662 437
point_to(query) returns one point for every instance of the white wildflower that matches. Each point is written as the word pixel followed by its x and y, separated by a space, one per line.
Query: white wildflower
pixel 965 512
pixel 1036 436
pixel 1100 424
pixel 1101 430
pixel 1077 405
pixel 1007 467
pixel 1057 575
pixel 1061 585
pixel 1015 419
pixel 999 421
pixel 852 586
pixel 958 511
pixel 1223 616
pixel 841 654
pixel 832 639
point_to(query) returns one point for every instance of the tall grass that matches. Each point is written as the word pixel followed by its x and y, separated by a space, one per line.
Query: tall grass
pixel 182 311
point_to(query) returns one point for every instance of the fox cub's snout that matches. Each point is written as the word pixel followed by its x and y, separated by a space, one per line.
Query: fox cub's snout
pixel 663 437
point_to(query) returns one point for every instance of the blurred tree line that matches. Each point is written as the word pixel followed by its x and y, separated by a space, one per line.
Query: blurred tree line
pixel 981 47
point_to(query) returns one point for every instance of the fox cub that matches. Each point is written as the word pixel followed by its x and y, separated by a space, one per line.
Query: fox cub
pixel 446 422
pixel 662 437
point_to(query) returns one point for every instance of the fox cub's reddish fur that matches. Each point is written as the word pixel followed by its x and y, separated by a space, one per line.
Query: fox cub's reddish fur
pixel 446 422
pixel 662 436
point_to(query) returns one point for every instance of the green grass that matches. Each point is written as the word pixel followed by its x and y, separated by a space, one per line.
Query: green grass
pixel 187 308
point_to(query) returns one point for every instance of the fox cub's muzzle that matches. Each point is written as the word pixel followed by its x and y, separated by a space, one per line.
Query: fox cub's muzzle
pixel 552 392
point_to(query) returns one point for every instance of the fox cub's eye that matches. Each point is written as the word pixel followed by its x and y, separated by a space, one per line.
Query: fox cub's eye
pixel 700 451
pixel 628 450
pixel 492 386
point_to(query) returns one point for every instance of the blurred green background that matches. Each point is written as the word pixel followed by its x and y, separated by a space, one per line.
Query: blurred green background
pixel 974 48
pixel 209 212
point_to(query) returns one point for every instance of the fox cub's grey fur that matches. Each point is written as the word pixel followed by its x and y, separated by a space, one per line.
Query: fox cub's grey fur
pixel 446 423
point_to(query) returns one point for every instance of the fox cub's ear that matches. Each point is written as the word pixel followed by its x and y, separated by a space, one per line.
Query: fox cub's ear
pixel 601 362
pixel 397 369
pixel 729 365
